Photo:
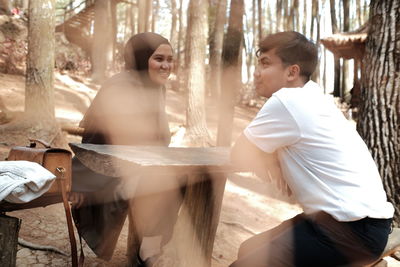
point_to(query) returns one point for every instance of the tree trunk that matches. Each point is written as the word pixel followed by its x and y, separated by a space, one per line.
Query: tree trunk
pixel 359 13
pixel 144 9
pixel 279 15
pixel 336 84
pixel 149 15
pixel 135 18
pixel 178 64
pixel 174 32
pixel 260 19
pixel 39 84
pixel 379 120
pixel 216 43
pixel 295 15
pixel 346 83
pixel 286 18
pixel 197 133
pixel 231 72
pixel 305 18
pixel 315 26
pixel 154 16
pixel 114 32
pixel 102 40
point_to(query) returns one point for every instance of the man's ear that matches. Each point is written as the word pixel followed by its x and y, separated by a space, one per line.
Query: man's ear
pixel 293 72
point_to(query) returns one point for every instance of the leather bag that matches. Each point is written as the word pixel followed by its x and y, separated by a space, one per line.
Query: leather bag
pixel 58 161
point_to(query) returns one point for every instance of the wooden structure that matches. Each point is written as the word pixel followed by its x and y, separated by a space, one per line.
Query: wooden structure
pixel 350 45
pixel 76 20
pixel 206 169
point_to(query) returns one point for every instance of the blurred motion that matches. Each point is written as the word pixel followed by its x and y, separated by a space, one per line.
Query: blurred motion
pixel 129 109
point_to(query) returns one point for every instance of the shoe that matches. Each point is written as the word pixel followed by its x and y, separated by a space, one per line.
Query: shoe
pixel 147 263
pixel 136 261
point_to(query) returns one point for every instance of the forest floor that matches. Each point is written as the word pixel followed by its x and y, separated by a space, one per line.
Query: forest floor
pixel 249 206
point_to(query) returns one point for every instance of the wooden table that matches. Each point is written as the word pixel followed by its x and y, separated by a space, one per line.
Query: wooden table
pixel 206 169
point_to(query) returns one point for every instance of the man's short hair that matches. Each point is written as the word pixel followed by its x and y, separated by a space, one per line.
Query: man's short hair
pixel 292 48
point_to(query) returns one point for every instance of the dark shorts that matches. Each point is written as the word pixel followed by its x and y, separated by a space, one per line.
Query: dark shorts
pixel 316 240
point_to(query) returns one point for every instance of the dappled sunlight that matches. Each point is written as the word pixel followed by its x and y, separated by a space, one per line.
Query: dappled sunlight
pixel 68 114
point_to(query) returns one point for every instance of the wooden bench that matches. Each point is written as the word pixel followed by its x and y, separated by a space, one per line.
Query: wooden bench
pixel 206 169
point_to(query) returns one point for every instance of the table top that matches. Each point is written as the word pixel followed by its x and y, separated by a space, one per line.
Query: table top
pixel 110 159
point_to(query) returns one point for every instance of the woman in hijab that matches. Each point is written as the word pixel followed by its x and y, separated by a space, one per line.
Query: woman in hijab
pixel 129 109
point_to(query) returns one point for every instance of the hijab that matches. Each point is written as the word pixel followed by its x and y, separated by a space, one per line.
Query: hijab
pixel 139 49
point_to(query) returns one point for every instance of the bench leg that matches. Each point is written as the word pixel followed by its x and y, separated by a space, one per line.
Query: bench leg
pixel 9 229
pixel 199 218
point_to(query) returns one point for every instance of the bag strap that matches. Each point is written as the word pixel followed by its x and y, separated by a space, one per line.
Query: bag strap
pixel 67 208
pixel 40 141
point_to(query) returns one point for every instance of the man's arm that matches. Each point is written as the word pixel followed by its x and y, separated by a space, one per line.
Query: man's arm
pixel 248 157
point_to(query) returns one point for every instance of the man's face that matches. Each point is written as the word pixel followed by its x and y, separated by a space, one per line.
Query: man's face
pixel 270 74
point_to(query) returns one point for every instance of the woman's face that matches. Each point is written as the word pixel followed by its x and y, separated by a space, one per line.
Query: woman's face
pixel 161 64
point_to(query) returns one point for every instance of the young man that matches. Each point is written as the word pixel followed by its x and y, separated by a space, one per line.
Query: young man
pixel 303 141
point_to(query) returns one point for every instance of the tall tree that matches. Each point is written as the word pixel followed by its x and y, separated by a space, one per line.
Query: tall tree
pixel 39 84
pixel 179 41
pixel 315 32
pixel 216 42
pixel 346 83
pixel 231 71
pixel 174 19
pixel 279 15
pixel 102 40
pixel 260 17
pixel 294 13
pixel 145 8
pixel 154 16
pixel 379 120
pixel 197 132
pixel 335 29
pixel 305 13
pixel 359 14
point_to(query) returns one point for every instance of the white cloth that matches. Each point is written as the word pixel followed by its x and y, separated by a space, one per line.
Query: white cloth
pixel 325 162
pixel 22 181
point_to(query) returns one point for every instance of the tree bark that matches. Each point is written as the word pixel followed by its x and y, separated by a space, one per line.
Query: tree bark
pixel 315 26
pixel 379 120
pixel 144 9
pixel 154 16
pixel 305 18
pixel 216 42
pixel 336 84
pixel 180 40
pixel 231 71
pixel 260 19
pixel 197 133
pixel 346 83
pixel 279 15
pixel 39 84
pixel 102 40
pixel 174 32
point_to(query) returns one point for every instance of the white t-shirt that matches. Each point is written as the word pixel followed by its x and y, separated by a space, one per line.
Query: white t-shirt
pixel 325 162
